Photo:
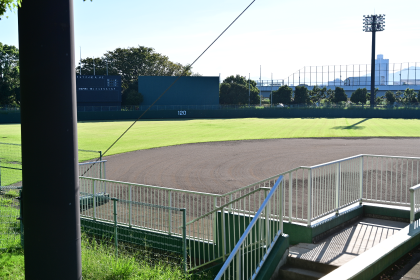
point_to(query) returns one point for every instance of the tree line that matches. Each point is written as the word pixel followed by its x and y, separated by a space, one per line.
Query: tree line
pixel 241 91
pixel 129 63
pixel 238 90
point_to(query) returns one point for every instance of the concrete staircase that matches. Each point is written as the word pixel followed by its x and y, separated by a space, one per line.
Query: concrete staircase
pixel 303 269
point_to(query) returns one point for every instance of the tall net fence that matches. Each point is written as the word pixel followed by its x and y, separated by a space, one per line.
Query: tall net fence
pixel 386 74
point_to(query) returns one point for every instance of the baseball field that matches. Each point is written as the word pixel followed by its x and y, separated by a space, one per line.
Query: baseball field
pixel 147 134
pixel 218 155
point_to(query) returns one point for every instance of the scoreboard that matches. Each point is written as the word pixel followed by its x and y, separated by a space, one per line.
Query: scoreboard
pixel 98 90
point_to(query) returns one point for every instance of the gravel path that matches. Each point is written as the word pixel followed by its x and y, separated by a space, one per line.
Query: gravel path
pixel 219 167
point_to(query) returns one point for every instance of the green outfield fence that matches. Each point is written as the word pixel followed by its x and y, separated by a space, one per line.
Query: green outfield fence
pixel 238 111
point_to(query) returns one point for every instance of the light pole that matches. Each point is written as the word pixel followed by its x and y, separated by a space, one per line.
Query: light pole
pixel 249 90
pixel 260 86
pixel 373 23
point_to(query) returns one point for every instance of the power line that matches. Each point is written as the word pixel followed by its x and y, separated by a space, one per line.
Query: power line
pixel 183 73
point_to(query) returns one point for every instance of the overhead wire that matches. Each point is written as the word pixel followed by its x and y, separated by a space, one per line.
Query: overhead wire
pixel 176 80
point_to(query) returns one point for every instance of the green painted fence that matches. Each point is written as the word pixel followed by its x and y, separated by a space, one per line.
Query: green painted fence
pixel 14 117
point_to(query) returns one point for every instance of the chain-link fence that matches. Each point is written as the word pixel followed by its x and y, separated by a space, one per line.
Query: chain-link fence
pixel 11 229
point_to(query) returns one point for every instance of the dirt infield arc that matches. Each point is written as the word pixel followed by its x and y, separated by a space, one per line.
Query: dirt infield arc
pixel 219 167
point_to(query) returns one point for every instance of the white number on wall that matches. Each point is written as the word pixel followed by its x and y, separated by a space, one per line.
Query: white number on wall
pixel 182 113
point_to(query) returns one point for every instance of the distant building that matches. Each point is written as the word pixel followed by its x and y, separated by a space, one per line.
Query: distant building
pixel 381 74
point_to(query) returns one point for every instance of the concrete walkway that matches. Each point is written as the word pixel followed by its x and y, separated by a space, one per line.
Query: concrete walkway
pixel 347 244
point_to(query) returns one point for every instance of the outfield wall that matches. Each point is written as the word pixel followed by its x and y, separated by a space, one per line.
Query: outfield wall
pixel 14 117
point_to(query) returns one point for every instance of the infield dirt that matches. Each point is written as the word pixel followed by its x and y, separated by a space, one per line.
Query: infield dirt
pixel 219 167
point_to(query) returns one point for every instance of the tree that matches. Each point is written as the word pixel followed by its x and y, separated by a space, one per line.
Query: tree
pixel 376 92
pixel 399 96
pixel 234 90
pixel 339 95
pixel 409 96
pixel 329 95
pixel 282 95
pixel 317 93
pixel 131 95
pixel 301 95
pixel 241 80
pixel 9 75
pixel 390 97
pixel 8 5
pixel 359 95
pixel 130 63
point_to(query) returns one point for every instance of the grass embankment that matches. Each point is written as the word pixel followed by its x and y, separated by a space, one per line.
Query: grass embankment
pixel 98 262
pixel 148 134
pixel 98 259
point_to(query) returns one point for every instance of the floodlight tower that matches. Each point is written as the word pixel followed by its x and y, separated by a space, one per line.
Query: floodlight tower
pixel 373 23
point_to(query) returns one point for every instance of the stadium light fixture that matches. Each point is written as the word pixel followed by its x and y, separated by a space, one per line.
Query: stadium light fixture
pixel 373 23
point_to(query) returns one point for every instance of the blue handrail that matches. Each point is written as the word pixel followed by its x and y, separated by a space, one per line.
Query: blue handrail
pixel 248 229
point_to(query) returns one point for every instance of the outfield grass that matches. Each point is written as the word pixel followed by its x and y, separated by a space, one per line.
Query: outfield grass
pixel 148 134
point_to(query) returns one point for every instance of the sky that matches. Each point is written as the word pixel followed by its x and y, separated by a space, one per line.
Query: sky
pixel 281 36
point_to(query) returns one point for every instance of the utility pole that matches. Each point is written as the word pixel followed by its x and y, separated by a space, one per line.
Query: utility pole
pixel 46 45
pixel 373 23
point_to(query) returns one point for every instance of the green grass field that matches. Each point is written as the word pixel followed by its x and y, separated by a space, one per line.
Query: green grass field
pixel 148 134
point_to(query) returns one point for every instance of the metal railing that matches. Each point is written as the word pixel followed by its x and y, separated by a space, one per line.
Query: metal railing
pixel 95 169
pixel 203 211
pixel 11 163
pixel 114 229
pixel 414 202
pixel 316 191
pixel 387 179
pixel 259 237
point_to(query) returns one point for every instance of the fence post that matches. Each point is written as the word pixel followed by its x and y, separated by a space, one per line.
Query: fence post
pixel 309 196
pixel 21 220
pixel 214 220
pixel 94 200
pixel 130 206
pixel 290 195
pixel 184 238
pixel 267 220
pixel 412 206
pixel 115 227
pixel 238 265
pixel 281 202
pixel 170 214
pixel 361 180
pixel 223 233
pixel 337 188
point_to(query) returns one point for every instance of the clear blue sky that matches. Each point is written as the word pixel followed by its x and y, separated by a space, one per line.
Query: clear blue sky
pixel 281 35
